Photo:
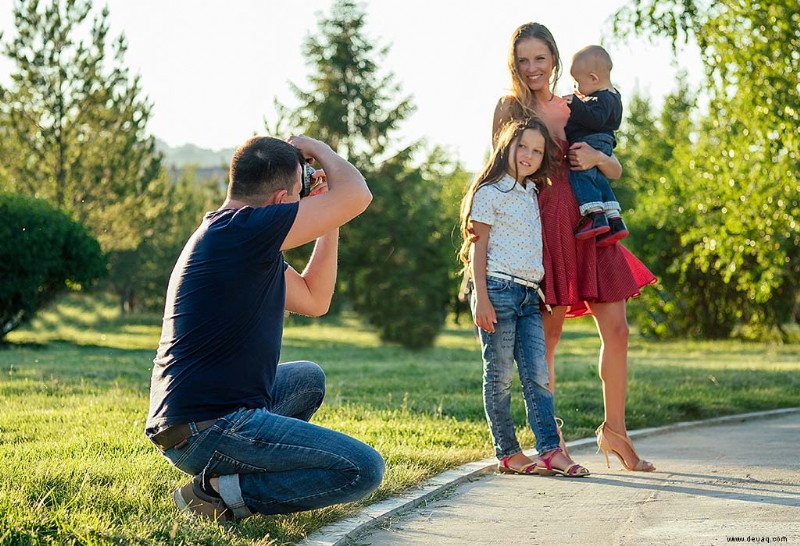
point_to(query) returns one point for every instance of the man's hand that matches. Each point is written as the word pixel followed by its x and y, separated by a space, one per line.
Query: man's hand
pixel 311 148
pixel 320 184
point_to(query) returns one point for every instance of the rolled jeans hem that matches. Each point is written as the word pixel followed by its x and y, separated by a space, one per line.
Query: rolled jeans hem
pixel 594 206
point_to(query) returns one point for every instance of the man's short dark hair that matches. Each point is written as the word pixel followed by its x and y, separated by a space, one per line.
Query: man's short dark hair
pixel 262 166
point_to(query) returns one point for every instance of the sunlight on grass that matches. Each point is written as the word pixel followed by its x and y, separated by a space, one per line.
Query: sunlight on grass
pixel 74 397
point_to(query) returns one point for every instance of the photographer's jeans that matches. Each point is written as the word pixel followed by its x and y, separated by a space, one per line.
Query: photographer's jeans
pixel 591 188
pixel 518 335
pixel 275 462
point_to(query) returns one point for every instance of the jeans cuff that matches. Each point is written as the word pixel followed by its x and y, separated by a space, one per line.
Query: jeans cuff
pixel 231 494
pixel 593 206
pixel 611 205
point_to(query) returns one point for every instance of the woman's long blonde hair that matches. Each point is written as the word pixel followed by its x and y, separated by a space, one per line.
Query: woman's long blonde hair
pixel 497 167
pixel 524 106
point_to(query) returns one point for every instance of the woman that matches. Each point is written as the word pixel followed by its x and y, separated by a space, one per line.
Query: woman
pixel 579 277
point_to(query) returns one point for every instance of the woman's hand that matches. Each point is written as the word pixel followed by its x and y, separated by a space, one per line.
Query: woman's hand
pixel 582 157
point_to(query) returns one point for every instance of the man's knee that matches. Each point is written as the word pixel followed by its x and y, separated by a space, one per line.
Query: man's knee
pixel 371 471
pixel 313 376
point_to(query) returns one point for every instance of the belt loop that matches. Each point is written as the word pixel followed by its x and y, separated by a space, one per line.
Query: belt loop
pixel 193 428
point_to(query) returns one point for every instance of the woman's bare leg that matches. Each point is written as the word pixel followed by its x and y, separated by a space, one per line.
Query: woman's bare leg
pixel 612 325
pixel 553 324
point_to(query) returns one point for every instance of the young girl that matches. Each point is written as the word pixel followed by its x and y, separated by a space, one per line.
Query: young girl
pixel 503 249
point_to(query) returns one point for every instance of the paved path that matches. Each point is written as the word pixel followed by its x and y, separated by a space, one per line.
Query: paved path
pixel 718 484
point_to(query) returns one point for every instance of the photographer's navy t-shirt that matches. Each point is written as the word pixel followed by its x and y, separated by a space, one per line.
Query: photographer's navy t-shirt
pixel 223 318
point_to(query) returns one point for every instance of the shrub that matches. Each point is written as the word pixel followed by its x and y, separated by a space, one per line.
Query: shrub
pixel 43 252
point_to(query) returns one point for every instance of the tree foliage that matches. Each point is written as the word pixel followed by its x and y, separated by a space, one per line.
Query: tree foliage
pixel 43 253
pixel 731 191
pixel 350 105
pixel 73 132
pixel 394 261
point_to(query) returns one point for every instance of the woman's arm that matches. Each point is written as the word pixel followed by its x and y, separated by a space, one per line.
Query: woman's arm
pixel 502 115
pixel 581 157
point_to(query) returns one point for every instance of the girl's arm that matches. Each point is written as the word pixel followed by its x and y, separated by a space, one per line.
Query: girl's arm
pixel 485 317
pixel 581 157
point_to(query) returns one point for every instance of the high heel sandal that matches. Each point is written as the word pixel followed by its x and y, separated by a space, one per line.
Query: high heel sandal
pixel 602 444
pixel 561 443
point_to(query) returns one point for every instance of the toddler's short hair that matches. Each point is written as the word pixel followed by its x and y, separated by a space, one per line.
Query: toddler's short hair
pixel 595 59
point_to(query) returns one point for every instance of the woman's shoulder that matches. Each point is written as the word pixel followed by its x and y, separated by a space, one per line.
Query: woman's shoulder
pixel 509 105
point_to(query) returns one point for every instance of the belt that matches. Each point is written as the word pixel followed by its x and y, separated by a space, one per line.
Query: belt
pixel 523 282
pixel 176 435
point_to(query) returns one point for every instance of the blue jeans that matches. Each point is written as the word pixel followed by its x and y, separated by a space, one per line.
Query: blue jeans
pixel 591 188
pixel 518 335
pixel 272 461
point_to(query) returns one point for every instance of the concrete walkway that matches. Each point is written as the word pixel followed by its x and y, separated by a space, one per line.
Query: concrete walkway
pixel 735 481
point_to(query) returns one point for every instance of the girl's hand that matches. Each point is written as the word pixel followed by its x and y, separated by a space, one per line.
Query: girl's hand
pixel 485 318
pixel 582 157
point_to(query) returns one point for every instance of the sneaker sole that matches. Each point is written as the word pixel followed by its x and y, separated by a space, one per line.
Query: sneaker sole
pixel 183 506
pixel 620 235
pixel 591 233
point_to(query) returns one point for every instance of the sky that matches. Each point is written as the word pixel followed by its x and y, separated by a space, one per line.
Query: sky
pixel 212 68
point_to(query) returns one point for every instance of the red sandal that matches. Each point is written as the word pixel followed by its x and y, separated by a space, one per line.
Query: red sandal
pixel 527 470
pixel 573 471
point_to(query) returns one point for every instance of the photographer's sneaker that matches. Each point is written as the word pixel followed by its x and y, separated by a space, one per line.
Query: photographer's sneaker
pixel 191 499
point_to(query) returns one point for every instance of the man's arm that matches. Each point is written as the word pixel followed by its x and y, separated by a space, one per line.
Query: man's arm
pixel 347 195
pixel 310 293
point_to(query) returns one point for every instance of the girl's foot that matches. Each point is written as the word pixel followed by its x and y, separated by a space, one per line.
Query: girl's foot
pixel 519 463
pixel 556 463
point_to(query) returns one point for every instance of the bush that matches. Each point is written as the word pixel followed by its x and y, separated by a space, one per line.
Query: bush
pixel 43 252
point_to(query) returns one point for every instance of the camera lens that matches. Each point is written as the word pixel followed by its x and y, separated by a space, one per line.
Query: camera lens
pixel 308 181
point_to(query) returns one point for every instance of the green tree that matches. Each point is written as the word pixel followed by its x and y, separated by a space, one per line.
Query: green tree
pixel 73 123
pixel 393 259
pixel 739 189
pixel 350 104
pixel 43 252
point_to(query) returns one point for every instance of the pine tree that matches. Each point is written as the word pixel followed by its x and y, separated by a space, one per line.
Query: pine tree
pixel 73 122
pixel 394 261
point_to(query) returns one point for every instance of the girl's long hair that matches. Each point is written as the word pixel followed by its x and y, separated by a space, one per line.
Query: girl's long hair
pixel 497 167
pixel 524 105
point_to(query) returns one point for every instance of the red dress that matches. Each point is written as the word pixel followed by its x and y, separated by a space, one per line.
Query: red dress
pixel 576 271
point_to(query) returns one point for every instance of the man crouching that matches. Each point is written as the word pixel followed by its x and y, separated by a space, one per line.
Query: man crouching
pixel 221 407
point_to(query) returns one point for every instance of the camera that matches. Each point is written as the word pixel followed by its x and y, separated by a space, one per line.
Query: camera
pixel 308 180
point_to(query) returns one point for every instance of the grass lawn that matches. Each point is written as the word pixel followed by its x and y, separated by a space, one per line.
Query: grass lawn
pixel 74 396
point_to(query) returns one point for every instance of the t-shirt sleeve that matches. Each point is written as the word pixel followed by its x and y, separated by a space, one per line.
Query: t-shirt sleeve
pixel 483 206
pixel 267 227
